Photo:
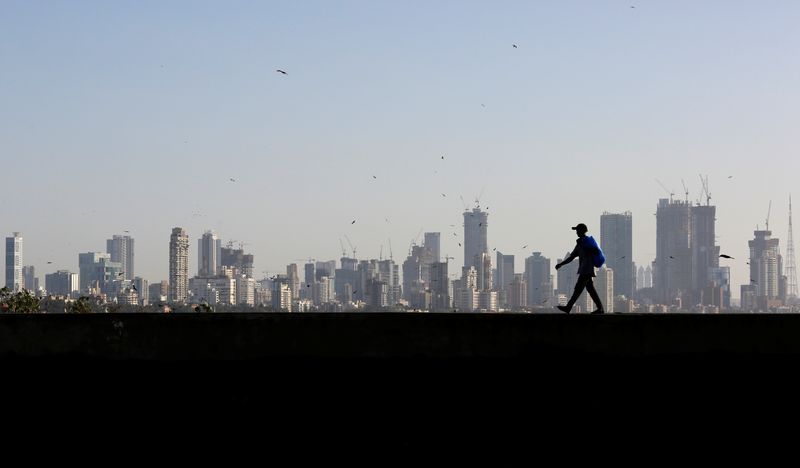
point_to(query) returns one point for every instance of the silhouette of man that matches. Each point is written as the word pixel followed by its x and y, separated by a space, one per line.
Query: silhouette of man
pixel 584 253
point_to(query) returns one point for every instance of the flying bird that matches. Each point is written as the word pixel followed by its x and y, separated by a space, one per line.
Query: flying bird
pixel 374 177
pixel 354 221
pixel 726 256
pixel 281 71
pixel 231 179
pixel 730 177
pixel 127 231
pixel 494 249
pixel 753 281
pixel 133 286
pixel 672 257
pixel 483 105
pixel 308 285
pixel 444 195
pixel 621 257
pixel 524 247
pixel 515 46
pixel 459 244
pixel 49 263
pixel 544 301
pixel 442 157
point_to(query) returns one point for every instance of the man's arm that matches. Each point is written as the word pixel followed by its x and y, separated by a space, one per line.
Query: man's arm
pixel 568 259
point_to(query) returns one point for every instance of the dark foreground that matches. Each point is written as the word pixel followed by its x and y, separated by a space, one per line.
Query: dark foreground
pixel 385 378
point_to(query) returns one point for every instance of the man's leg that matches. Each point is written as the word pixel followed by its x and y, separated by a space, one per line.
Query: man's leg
pixel 593 293
pixel 578 290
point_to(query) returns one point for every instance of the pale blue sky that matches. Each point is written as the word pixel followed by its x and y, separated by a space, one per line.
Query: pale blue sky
pixel 133 115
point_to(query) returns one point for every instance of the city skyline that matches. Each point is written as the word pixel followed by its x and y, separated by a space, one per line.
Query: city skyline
pixel 383 111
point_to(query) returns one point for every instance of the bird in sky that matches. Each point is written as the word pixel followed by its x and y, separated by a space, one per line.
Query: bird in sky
pixel 444 195
pixel 231 179
pixel 127 231
pixel 49 263
pixel 515 46
pixel 281 71
pixel 133 286
pixel 672 257
pixel 483 105
pixel 374 177
pixel 621 257
pixel 354 221
pixel 730 177
pixel 726 256
pixel 459 244
pixel 442 157
pixel 524 247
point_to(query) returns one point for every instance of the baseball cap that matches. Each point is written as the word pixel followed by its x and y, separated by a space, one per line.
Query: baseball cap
pixel 580 227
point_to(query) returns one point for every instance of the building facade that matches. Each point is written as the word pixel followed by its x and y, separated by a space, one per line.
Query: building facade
pixel 178 265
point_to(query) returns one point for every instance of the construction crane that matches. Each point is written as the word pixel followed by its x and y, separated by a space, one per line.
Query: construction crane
pixel 351 245
pixel 685 190
pixel 344 252
pixel 391 256
pixel 670 192
pixel 466 208
pixel 704 182
pixel 769 210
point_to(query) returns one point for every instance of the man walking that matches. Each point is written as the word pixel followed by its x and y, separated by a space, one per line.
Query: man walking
pixel 585 249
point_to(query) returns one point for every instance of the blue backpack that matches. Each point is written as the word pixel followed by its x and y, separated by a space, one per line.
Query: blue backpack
pixel 597 258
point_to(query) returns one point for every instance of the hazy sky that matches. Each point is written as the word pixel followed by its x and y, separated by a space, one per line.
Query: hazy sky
pixel 133 115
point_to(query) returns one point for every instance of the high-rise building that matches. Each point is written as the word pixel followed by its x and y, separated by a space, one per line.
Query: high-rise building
pixel 505 276
pixel 306 290
pixel 672 276
pixel 121 250
pixel 62 283
pixel 518 293
pixel 433 246
pixel 326 268
pixel 178 265
pixel 143 289
pixel 475 236
pixel 209 254
pixel 389 273
pixel 616 241
pixel 440 287
pixel 484 272
pixel 293 280
pixel 604 284
pixel 346 279
pixel 323 290
pixel 31 282
pixel 538 279
pixel 705 252
pixel 159 292
pixel 413 284
pixel 14 279
pixel 765 266
pixel 791 264
pixel 237 259
pixel 213 290
pixel 97 271
pixel 567 276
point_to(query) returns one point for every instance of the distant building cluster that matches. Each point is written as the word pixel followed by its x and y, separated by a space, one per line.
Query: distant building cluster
pixel 686 274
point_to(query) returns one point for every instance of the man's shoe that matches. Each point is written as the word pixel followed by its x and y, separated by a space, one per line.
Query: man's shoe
pixel 599 311
pixel 564 309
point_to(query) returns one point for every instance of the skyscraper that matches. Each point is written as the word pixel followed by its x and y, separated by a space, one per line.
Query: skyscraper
pixel 616 240
pixel 293 280
pixel 143 289
pixel 14 278
pixel 121 250
pixel 440 287
pixel 178 265
pixel 705 252
pixel 791 263
pixel 209 254
pixel 765 267
pixel 518 293
pixel 672 277
pixel 62 283
pixel 30 280
pixel 505 276
pixel 538 279
pixel 475 236
pixel 432 244
pixel 98 271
